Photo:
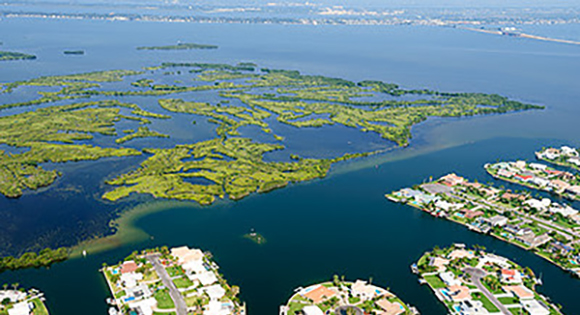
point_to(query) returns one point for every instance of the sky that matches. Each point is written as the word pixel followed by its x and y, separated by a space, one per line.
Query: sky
pixel 350 3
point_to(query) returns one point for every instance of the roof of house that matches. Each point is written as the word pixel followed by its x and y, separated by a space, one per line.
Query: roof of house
pixel 312 310
pixel 319 294
pixel 128 266
pixel 460 253
pixel 390 308
pixel 184 254
pixel 459 292
pixel 519 290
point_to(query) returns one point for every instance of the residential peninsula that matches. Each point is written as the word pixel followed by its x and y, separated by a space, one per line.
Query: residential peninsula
pixel 473 282
pixel 339 297
pixel 175 281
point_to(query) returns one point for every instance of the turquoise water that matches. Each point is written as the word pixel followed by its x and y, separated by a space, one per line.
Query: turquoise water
pixel 341 224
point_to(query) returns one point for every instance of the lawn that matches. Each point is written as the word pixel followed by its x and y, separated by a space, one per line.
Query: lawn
pixel 39 307
pixel 508 300
pixel 435 282
pixel 174 271
pixel 487 304
pixel 163 299
pixel 182 282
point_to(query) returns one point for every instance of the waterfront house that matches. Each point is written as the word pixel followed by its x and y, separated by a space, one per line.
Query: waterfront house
pixel 537 166
pixel 574 190
pixel 452 180
pixel 510 276
pixel 523 178
pixel 470 214
pixel 390 308
pixel 558 185
pixel 457 293
pixel 505 173
pixel 435 188
pixel 312 310
pixel 447 206
pixel 539 181
pixel 449 279
pixel 559 247
pixel 511 228
pixel 185 255
pixel 438 263
pixel 22 308
pixel 128 267
pixel 520 291
pixel 535 307
pixel 366 291
pixel 574 160
pixel 472 307
pixel 319 294
pixel 550 154
pixel 532 240
pixel 498 220
pixel 215 292
pixel 425 198
pixel 460 253
pixel 568 151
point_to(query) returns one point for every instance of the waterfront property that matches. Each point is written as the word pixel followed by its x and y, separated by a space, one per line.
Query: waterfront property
pixel 547 228
pixel 473 282
pixel 343 297
pixel 564 156
pixel 537 176
pixel 178 281
pixel 21 302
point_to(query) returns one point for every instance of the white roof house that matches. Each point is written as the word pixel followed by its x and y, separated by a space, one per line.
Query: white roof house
pixel 498 220
pixel 22 308
pixel 533 307
pixel 449 278
pixel 215 291
pixel 194 266
pixel 569 151
pixel 12 295
pixel 205 278
pixel 216 308
pixel 146 306
pixel 312 310
pixel 130 279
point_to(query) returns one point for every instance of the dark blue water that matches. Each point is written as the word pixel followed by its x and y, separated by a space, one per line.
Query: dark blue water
pixel 341 224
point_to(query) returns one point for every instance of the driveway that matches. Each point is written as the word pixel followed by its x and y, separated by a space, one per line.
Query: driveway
pixel 476 275
pixel 180 306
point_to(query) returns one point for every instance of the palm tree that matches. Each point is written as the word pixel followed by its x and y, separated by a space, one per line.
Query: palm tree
pixel 15 286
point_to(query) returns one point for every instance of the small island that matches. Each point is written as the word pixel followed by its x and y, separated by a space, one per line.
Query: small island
pixel 22 302
pixel 176 281
pixel 340 297
pixel 74 52
pixel 255 237
pixel 179 46
pixel 9 55
pixel 471 281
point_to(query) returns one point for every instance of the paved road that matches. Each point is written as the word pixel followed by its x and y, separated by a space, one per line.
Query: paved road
pixel 476 275
pixel 176 296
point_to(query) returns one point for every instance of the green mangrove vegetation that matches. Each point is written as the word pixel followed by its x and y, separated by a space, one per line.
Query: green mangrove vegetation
pixel 179 46
pixel 215 168
pixel 142 132
pixel 10 55
pixel 230 165
pixel 50 133
pixel 44 258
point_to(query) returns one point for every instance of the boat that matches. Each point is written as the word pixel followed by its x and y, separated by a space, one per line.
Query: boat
pixel 113 311
pixel 414 268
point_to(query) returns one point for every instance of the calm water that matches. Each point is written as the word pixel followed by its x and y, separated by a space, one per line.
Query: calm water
pixel 341 224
